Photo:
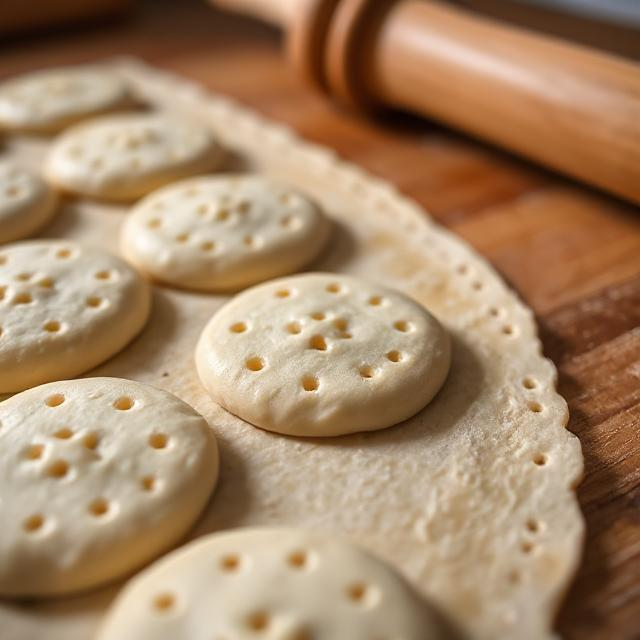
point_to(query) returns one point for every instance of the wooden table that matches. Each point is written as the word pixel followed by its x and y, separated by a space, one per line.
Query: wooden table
pixel 571 253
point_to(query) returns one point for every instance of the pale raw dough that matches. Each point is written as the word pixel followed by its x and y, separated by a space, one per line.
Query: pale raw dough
pixel 473 498
pixel 281 584
pixel 47 101
pixel 64 308
pixel 97 477
pixel 323 355
pixel 27 202
pixel 123 157
pixel 224 233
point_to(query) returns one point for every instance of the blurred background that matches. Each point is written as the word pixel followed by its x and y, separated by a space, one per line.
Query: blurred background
pixel 611 24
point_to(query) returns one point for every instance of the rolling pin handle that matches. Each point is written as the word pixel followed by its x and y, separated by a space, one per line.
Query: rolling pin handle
pixel 568 107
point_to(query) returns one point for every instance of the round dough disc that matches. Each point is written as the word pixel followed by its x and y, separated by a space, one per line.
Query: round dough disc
pixel 26 202
pixel 224 233
pixel 64 308
pixel 322 355
pixel 47 101
pixel 97 477
pixel 273 583
pixel 123 157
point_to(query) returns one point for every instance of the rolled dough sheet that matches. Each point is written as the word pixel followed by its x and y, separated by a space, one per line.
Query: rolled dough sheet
pixel 473 499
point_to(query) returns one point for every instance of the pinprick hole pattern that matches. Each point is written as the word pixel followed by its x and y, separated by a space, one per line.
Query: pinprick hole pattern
pixel 222 215
pixel 238 327
pixel 402 325
pixel 94 302
pixel 22 298
pixel 164 602
pixel 33 523
pixel 288 222
pixel 24 277
pixel 158 441
pixel 90 441
pixel 243 207
pixel 529 383
pixel 394 356
pixel 46 283
pixel 54 400
pixel 356 592
pixel 334 287
pixel 103 275
pixel 58 469
pixel 255 364
pixel 34 452
pixel 63 434
pixel 154 223
pixel 63 254
pixel 123 403
pixel 53 326
pixel 99 507
pixel 258 621
pixel 532 525
pixel 208 245
pixel 535 407
pixel 310 383
pixel 527 547
pixel 182 238
pixel 148 483
pixel 540 459
pixel 508 330
pixel 375 301
pixel 366 372
pixel 340 324
pixel 294 328
pixel 282 293
pixel 297 559
pixel 318 315
pixel 514 577
pixel 230 563
pixel 318 342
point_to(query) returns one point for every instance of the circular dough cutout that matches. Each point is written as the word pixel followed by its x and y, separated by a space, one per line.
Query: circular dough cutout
pixel 269 583
pixel 123 157
pixel 64 308
pixel 47 101
pixel 224 233
pixel 97 477
pixel 322 355
pixel 26 202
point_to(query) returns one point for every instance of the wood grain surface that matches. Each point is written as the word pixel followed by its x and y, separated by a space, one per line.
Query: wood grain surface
pixel 571 253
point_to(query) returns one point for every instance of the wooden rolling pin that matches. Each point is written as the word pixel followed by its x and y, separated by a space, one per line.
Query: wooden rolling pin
pixel 571 108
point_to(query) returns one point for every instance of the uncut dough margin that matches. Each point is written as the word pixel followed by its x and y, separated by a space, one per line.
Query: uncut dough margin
pixel 473 499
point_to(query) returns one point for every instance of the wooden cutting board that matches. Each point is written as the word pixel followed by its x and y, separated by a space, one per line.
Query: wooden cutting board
pixel 571 253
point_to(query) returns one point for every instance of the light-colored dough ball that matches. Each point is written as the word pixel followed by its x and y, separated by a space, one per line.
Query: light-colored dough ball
pixel 64 309
pixel 97 477
pixel 47 101
pixel 282 584
pixel 123 157
pixel 322 355
pixel 27 202
pixel 224 233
